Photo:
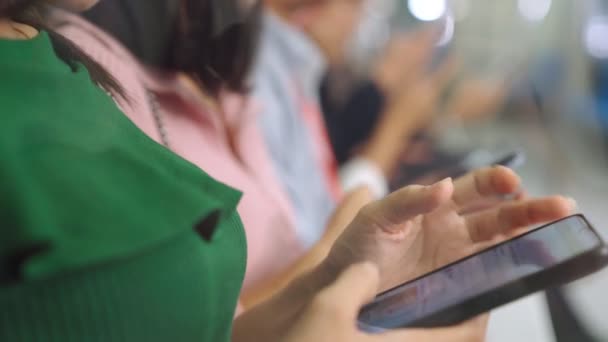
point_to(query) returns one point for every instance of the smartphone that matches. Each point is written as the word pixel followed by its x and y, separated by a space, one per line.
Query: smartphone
pixel 545 257
pixel 481 158
pixel 512 160
pixel 430 174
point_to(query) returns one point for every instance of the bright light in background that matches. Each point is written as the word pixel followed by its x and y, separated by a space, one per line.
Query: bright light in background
pixel 534 10
pixel 460 8
pixel 427 10
pixel 596 37
pixel 448 31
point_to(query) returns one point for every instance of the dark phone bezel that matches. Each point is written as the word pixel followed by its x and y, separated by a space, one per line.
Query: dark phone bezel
pixel 459 170
pixel 510 159
pixel 578 267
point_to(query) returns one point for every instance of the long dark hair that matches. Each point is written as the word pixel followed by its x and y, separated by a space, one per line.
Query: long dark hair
pixel 36 14
pixel 146 27
pixel 215 42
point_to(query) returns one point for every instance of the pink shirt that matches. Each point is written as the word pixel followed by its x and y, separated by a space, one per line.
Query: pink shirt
pixel 199 134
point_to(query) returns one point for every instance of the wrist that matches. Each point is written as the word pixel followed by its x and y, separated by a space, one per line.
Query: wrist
pixel 362 172
pixel 269 321
pixel 383 149
pixel 389 139
pixel 303 289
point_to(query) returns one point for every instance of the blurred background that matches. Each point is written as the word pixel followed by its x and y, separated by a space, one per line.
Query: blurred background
pixel 551 56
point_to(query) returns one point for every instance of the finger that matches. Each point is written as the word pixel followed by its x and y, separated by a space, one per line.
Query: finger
pixel 407 203
pixel 470 331
pixel 483 184
pixel 521 195
pixel 492 202
pixel 355 287
pixel 511 216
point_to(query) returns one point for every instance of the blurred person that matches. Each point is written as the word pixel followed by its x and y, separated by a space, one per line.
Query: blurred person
pixel 299 40
pixel 352 111
pixel 110 236
pixel 216 132
pixel 193 100
pixel 214 129
pixel 194 127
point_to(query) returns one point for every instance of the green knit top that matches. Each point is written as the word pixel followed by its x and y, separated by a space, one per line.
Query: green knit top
pixel 105 235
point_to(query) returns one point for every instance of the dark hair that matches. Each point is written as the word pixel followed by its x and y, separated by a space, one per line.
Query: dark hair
pixel 215 42
pixel 146 27
pixel 36 14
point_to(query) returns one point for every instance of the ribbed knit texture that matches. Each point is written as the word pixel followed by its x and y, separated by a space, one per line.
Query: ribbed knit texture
pixel 162 295
pixel 104 233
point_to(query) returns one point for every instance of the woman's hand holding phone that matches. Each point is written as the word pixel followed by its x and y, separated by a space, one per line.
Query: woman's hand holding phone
pixel 418 229
pixel 409 233
pixel 332 314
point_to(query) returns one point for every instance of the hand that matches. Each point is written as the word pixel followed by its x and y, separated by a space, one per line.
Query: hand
pixel 419 229
pixel 403 60
pixel 332 314
pixel 414 105
pixel 407 234
pixel 405 115
pixel 342 216
pixel 474 98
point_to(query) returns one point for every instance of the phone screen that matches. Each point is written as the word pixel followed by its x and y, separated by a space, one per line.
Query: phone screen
pixel 480 273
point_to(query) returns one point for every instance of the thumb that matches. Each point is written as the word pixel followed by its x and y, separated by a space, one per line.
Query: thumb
pixel 409 202
pixel 471 331
pixel 355 287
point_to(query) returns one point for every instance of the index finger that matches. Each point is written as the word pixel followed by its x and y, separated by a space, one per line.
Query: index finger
pixel 405 204
pixel 484 184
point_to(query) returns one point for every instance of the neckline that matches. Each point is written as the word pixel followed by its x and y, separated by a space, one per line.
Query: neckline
pixel 34 53
pixel 17 30
pixel 42 35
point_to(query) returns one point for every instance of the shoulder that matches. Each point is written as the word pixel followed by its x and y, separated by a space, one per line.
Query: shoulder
pixel 59 106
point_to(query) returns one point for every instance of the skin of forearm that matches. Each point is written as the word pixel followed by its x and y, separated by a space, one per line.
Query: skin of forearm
pixel 344 214
pixel 305 264
pixel 386 145
pixel 270 320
